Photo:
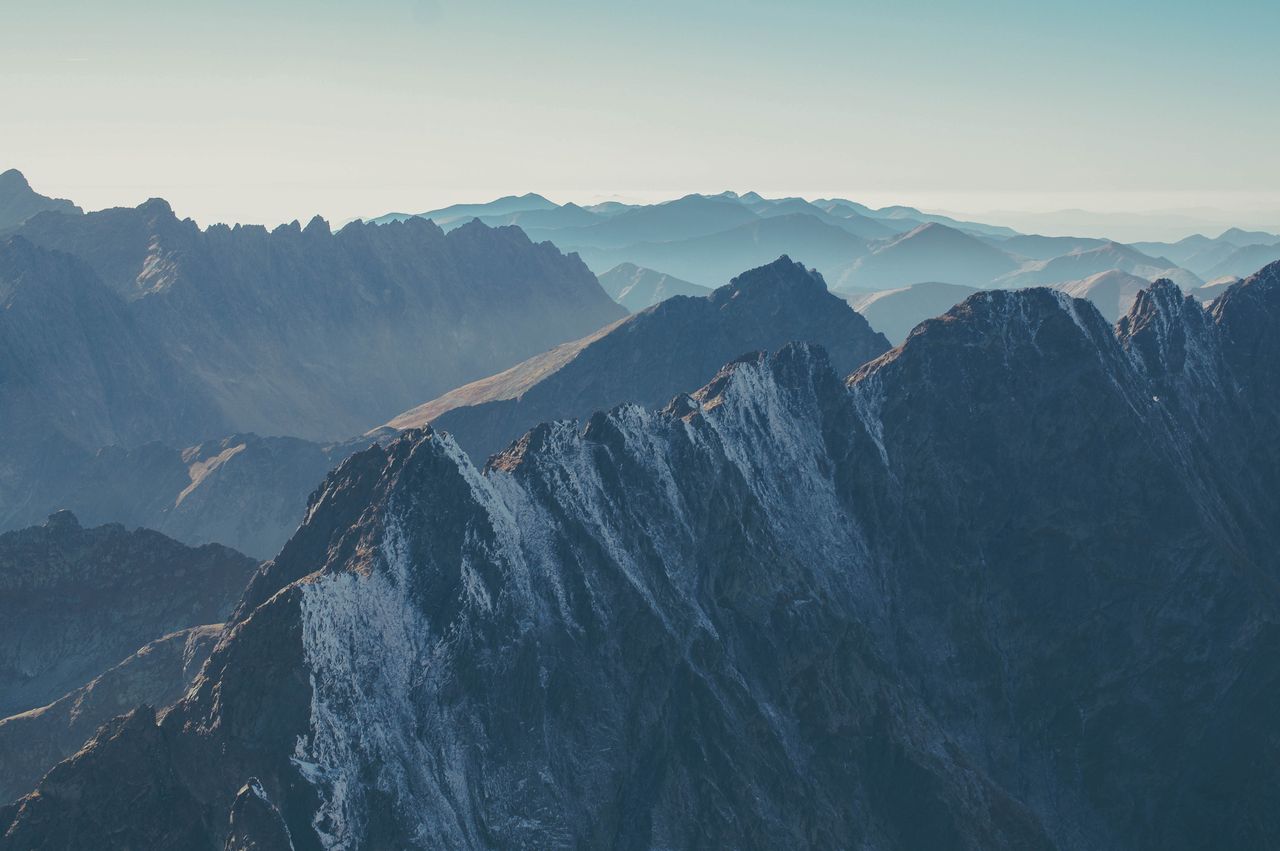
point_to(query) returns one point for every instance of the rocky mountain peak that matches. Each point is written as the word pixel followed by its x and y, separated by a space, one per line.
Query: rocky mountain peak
pixel 1169 334
pixel 782 279
pixel 19 202
pixel 62 522
pixel 13 180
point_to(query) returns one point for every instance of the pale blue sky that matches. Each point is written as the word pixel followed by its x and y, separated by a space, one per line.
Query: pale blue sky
pixel 269 111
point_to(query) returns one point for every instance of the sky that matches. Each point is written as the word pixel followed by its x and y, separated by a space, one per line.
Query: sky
pixel 273 110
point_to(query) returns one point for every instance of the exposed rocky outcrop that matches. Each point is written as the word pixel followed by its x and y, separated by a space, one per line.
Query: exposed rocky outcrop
pixel 997 590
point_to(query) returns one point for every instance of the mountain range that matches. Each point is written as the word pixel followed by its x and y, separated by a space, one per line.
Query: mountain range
pixel 139 354
pixel 706 239
pixel 19 202
pixel 636 288
pixel 296 331
pixel 916 608
pixel 652 356
pixel 659 553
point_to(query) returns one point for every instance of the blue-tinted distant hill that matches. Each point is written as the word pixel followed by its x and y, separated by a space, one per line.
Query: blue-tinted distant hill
pixel 462 213
pixel 635 287
pixel 19 202
pixel 712 259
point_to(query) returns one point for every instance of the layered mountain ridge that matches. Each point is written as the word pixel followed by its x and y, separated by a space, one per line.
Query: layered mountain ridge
pixel 303 332
pixel 920 609
pixel 19 202
pixel 651 356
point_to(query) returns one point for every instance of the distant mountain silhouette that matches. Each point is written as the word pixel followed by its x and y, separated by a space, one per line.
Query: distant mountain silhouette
pixel 635 287
pixel 1081 264
pixel 19 202
pixel 1038 247
pixel 1113 292
pixel 1206 257
pixel 684 218
pixel 855 223
pixel 713 259
pixel 1242 238
pixel 1245 261
pixel 462 213
pixel 895 312
pixel 909 218
pixel 931 252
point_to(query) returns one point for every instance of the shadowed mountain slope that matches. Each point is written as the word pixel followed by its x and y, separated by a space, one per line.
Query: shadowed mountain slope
pixel 915 610
pixel 649 357
pixel 309 333
pixel 78 600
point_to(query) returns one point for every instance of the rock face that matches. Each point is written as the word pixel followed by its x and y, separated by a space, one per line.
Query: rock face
pixel 75 601
pixel 78 367
pixel 652 356
pixel 159 673
pixel 19 202
pixel 297 331
pixel 1010 586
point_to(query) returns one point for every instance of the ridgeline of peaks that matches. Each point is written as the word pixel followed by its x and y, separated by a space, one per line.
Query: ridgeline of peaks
pixel 651 356
pixel 129 327
pixel 1012 585
pixel 250 491
pixel 19 202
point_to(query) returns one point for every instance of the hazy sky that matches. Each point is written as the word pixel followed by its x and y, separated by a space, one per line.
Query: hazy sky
pixel 268 111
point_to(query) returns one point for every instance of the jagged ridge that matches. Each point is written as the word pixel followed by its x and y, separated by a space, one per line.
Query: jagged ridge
pixel 993 593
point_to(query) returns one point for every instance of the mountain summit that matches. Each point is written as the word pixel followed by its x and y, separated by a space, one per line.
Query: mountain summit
pixel 653 355
pixel 19 202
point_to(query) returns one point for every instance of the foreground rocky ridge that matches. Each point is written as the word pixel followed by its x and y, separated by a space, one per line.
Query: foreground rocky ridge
pixel 1013 586
pixel 159 673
